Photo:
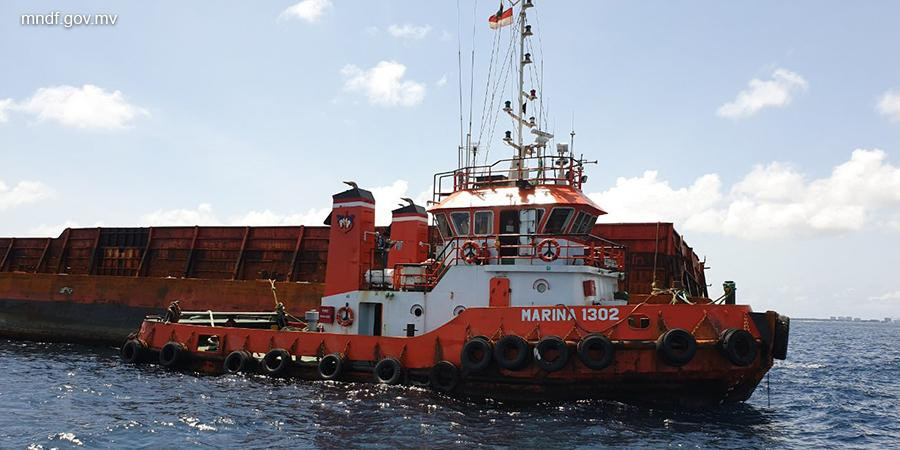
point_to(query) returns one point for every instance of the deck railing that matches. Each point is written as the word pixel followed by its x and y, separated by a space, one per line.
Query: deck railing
pixel 511 249
pixel 536 170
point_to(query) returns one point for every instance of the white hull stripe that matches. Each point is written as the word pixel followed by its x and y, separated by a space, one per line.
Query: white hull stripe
pixel 410 219
pixel 354 204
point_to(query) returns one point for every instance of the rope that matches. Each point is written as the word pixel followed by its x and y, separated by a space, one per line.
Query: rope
pixel 472 64
pixel 459 70
pixel 274 291
pixel 655 252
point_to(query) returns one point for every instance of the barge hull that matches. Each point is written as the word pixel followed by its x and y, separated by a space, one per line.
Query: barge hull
pixel 105 309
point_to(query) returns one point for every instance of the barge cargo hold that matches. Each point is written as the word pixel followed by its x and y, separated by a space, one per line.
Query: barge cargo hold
pixel 95 285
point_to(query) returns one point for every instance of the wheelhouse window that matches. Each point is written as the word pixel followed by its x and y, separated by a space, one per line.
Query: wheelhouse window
pixel 559 218
pixel 460 222
pixel 484 222
pixel 443 226
pixel 583 223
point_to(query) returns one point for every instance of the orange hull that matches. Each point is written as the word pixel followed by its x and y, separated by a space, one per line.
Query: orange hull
pixel 637 371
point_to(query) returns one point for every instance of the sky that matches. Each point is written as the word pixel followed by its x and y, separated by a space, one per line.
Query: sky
pixel 767 131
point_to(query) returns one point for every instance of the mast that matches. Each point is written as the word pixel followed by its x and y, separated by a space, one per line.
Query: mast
pixel 521 149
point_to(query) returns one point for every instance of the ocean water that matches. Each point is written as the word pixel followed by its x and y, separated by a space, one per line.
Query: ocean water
pixel 839 387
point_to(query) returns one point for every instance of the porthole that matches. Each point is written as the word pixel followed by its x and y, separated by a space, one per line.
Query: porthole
pixel 541 285
pixel 417 310
pixel 459 309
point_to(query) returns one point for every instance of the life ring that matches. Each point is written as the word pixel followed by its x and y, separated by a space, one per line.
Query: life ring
pixel 444 376
pixel 344 316
pixel 277 362
pixel 388 371
pixel 469 252
pixel 596 351
pixel 172 354
pixel 548 250
pixel 476 354
pixel 331 366
pixel 512 352
pixel 676 347
pixel 132 351
pixel 239 361
pixel 738 346
pixel 544 353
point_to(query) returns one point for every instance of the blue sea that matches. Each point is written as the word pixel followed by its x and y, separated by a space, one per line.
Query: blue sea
pixel 838 388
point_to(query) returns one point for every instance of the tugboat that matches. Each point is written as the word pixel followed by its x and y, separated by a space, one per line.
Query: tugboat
pixel 518 301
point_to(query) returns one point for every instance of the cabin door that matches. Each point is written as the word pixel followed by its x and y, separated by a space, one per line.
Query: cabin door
pixel 499 292
pixel 528 223
pixel 370 319
pixel 509 230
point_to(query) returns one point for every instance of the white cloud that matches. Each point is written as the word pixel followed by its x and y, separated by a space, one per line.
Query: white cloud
pixel 202 215
pixel 647 198
pixel 887 296
pixel 889 105
pixel 386 199
pixel 5 105
pixel 442 81
pixel 770 201
pixel 383 84
pixel 776 92
pixel 22 193
pixel 308 10
pixel 87 107
pixel 408 31
pixel 44 230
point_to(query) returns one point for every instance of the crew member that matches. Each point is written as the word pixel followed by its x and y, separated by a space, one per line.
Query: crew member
pixel 173 313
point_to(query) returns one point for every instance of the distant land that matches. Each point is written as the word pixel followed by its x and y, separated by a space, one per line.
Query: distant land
pixel 895 320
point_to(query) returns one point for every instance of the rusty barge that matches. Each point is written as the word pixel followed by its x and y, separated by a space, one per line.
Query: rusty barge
pixel 95 285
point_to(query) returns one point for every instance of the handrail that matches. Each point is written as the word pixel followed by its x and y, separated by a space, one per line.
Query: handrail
pixel 598 252
pixel 558 170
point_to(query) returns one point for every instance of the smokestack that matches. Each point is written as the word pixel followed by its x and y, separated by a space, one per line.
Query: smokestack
pixel 351 240
pixel 409 227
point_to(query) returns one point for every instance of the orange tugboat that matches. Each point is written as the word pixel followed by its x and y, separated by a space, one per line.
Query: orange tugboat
pixel 519 301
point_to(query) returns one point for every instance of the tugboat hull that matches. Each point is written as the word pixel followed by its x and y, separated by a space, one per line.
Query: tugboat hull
pixel 638 372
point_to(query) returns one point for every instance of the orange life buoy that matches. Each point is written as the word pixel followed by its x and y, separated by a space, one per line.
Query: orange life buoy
pixel 344 316
pixel 469 252
pixel 548 250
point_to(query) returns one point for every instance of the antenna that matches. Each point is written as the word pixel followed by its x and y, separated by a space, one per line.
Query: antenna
pixel 572 134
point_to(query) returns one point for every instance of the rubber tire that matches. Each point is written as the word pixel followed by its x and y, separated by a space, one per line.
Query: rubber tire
pixel 444 376
pixel 519 345
pixel 780 341
pixel 676 347
pixel 738 346
pixel 388 371
pixel 172 354
pixel 593 343
pixel 277 362
pixel 551 343
pixel 331 366
pixel 239 361
pixel 474 345
pixel 133 351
